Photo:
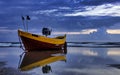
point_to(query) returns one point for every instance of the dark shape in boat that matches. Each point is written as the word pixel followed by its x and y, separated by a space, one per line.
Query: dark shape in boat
pixel 46 31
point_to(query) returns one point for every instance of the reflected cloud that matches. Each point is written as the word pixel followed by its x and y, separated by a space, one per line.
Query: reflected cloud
pixel 93 56
pixel 84 61
pixel 91 71
pixel 84 52
pixel 8 54
pixel 113 52
pixel 11 71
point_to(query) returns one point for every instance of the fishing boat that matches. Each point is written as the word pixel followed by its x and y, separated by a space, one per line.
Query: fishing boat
pixel 37 42
pixel 43 59
pixel 33 42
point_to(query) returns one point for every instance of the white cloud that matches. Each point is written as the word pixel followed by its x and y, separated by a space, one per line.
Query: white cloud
pixel 94 71
pixel 86 31
pixel 84 52
pixel 113 31
pixel 96 32
pixel 113 53
pixel 5 29
pixel 101 10
pixel 45 11
pixel 65 8
pixel 100 35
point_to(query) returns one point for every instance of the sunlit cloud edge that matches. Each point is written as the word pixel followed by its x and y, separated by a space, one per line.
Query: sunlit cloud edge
pixel 85 31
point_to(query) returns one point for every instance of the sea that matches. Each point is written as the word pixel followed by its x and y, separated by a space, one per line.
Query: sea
pixel 80 58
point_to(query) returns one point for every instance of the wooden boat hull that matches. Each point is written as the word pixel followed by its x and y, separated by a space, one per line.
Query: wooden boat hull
pixel 33 42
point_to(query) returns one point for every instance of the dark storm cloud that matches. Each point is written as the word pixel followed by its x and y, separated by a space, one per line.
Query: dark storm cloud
pixel 12 10
pixel 52 13
pixel 97 2
pixel 79 23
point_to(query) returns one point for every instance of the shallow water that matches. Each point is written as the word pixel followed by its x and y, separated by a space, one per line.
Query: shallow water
pixel 79 61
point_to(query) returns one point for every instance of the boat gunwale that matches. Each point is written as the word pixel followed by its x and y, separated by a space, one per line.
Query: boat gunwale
pixel 54 40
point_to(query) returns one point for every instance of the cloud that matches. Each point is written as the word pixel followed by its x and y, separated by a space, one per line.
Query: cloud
pixel 47 12
pixel 52 9
pixel 8 34
pixel 84 52
pixel 7 30
pixel 115 26
pixel 101 10
pixel 114 52
pixel 85 31
pixel 60 15
pixel 100 35
pixel 97 2
pixel 10 70
pixel 113 31
pixel 90 71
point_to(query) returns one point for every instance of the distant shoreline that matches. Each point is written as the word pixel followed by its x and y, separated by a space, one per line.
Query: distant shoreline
pixel 71 44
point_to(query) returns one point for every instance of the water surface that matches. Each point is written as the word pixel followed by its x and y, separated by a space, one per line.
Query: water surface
pixel 79 61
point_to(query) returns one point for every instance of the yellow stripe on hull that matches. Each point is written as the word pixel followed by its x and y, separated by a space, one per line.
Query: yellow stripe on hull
pixel 58 40
pixel 43 62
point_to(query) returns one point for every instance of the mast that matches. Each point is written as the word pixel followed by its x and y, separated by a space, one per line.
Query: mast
pixel 25 25
pixel 27 19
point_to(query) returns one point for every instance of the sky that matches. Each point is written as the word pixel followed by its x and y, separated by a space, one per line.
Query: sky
pixel 92 20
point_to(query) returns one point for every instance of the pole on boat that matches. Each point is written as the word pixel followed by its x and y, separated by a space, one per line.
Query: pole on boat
pixel 23 22
pixel 27 19
pixel 25 25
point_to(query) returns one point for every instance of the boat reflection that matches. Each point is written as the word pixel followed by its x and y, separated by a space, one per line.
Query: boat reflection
pixel 42 59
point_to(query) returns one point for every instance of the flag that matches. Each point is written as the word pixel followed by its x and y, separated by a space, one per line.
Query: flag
pixel 27 17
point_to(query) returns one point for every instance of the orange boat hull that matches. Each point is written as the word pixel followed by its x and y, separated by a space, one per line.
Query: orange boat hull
pixel 31 45
pixel 33 42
